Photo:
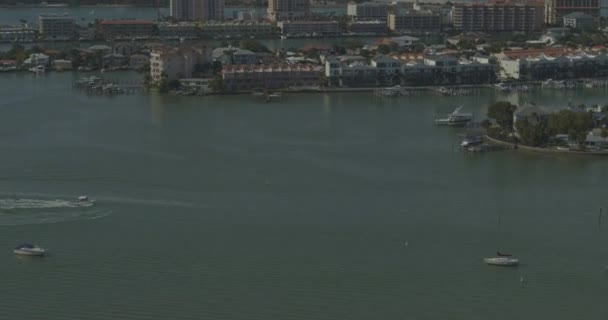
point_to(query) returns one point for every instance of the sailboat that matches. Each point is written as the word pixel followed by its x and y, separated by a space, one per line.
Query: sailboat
pixel 502 259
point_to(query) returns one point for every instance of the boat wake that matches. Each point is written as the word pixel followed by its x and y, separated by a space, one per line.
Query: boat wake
pixel 46 216
pixel 16 204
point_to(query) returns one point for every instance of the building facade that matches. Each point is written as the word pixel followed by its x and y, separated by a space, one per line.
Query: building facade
pixel 177 62
pixel 353 72
pixel 185 30
pixel 214 29
pixel 127 29
pixel 294 28
pixel 447 70
pixel 368 27
pixel 555 10
pixel 498 17
pixel 277 76
pixel 56 27
pixel 197 10
pixel 280 10
pixel 414 22
pixel 542 67
pixel 17 34
pixel 579 20
pixel 367 11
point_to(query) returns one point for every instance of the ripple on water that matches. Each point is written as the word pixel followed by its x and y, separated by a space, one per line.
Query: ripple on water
pixel 37 211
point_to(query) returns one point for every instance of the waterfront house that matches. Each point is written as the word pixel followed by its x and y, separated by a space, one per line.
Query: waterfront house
pixel 196 85
pixel 388 70
pixel 244 57
pixel 37 59
pixel 8 65
pixel 61 65
pixel 137 61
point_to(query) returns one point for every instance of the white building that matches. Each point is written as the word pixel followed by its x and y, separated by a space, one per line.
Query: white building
pixel 177 62
pixel 37 59
pixel 367 11
pixel 543 66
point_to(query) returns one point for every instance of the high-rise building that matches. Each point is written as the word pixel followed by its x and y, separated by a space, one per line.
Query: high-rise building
pixel 501 16
pixel 57 27
pixel 279 10
pixel 190 10
pixel 367 10
pixel 555 10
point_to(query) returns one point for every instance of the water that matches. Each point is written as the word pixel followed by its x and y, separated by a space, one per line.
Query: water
pixel 229 208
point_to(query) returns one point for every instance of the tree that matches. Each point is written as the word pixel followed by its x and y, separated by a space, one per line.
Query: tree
pixel 502 112
pixel 486 124
pixel 254 46
pixel 384 49
pixel 217 84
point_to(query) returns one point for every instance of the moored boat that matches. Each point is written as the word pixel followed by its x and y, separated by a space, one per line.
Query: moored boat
pixel 472 141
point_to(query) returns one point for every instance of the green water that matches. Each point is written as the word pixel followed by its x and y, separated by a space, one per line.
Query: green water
pixel 227 208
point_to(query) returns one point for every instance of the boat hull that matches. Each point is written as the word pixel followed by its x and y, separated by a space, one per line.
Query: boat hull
pixel 30 253
pixel 502 261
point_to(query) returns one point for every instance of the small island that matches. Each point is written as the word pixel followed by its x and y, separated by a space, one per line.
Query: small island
pixel 573 129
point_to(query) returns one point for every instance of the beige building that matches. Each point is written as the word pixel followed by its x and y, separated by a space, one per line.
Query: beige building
pixel 177 62
pixel 200 10
pixel 276 76
pixel 414 21
pixel 56 27
pixel 555 10
pixel 499 17
pixel 279 10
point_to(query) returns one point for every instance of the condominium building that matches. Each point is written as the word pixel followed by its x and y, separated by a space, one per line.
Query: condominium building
pixel 265 76
pixel 544 66
pixel 350 71
pixel 177 62
pixel 414 21
pixel 127 29
pixel 367 11
pixel 445 69
pixel 232 28
pixel 189 10
pixel 279 10
pixel 57 27
pixel 555 10
pixel 326 28
pixel 368 27
pixel 185 30
pixel 17 34
pixel 499 16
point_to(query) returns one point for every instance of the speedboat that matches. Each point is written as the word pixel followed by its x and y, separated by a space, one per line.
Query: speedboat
pixel 83 198
pixel 26 249
pixel 503 261
pixel 456 118
pixel 471 141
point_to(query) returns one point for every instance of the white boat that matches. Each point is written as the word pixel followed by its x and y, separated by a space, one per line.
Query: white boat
pixel 38 69
pixel 83 198
pixel 502 261
pixel 456 118
pixel 472 141
pixel 26 249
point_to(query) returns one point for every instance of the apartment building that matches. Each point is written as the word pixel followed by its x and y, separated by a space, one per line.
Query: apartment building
pixel 544 66
pixel 327 28
pixel 555 10
pixel 56 27
pixel 177 62
pixel 197 10
pixel 275 76
pixel 367 11
pixel 368 27
pixel 447 70
pixel 499 16
pixel 414 22
pixel 127 29
pixel 279 10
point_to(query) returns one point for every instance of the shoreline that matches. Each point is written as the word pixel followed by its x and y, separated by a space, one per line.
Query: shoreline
pixel 517 146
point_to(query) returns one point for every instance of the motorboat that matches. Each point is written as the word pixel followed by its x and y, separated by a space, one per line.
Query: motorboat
pixel 472 141
pixel 456 118
pixel 83 198
pixel 503 261
pixel 26 249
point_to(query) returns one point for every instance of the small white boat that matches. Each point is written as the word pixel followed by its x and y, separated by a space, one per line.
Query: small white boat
pixel 83 198
pixel 502 261
pixel 26 249
pixel 472 141
pixel 456 118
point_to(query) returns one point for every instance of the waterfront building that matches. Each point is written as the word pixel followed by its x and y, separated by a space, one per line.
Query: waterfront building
pixel 137 61
pixel 127 29
pixel 447 70
pixel 56 27
pixel 114 60
pixel 414 22
pixel 367 11
pixel 196 85
pixel 354 71
pixel 323 28
pixel 494 16
pixel 443 9
pixel 279 10
pixel 37 59
pixel 214 29
pixel 579 20
pixel 8 65
pixel 17 34
pixel 180 30
pixel 177 62
pixel 244 57
pixel 552 65
pixel 126 48
pixel 275 76
pixel 61 65
pixel 197 10
pixel 368 27
pixel 555 10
